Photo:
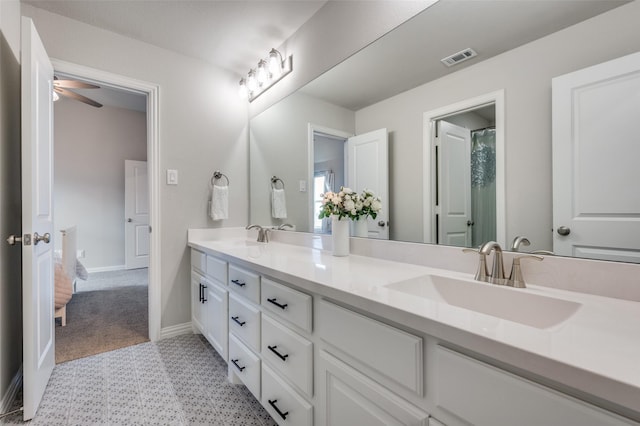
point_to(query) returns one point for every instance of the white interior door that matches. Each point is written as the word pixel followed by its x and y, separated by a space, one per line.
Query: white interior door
pixel 136 206
pixel 596 148
pixel 37 218
pixel 454 185
pixel 368 168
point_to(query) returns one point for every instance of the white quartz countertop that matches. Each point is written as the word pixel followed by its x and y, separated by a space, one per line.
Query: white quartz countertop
pixel 596 350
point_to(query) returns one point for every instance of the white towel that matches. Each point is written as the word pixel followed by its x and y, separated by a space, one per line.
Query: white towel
pixel 219 202
pixel 278 204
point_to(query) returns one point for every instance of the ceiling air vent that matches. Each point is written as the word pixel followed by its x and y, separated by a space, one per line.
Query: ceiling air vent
pixel 461 56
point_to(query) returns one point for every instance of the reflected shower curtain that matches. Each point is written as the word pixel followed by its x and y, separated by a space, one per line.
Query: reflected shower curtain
pixel 483 185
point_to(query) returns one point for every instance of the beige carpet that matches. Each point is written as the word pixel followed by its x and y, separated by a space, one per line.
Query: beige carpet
pixel 101 321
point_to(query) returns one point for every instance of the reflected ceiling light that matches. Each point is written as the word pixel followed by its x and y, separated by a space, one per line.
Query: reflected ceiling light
pixel 268 73
pixel 55 96
pixel 242 90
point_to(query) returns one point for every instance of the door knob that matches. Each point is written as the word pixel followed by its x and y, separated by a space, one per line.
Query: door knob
pixel 381 223
pixel 470 223
pixel 129 220
pixel 37 238
pixel 564 230
pixel 13 239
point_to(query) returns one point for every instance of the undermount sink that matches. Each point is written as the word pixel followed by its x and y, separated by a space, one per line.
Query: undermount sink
pixel 517 305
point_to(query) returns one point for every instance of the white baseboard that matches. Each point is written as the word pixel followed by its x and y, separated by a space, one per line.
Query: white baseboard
pixel 106 268
pixel 10 395
pixel 176 330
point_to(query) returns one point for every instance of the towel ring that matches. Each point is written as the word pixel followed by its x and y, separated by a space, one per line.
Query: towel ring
pixel 274 182
pixel 218 175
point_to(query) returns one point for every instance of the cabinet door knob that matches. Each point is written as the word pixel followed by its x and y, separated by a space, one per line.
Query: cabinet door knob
pixel 235 362
pixel 279 305
pixel 275 407
pixel 273 349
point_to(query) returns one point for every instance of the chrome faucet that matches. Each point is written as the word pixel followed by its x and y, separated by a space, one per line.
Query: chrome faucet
pixel 518 241
pixel 516 279
pixel 263 233
pixel 283 226
pixel 497 272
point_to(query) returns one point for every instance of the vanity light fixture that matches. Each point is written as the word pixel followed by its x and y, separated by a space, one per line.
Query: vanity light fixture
pixel 268 73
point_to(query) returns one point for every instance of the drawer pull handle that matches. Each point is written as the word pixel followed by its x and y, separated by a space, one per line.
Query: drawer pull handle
pixel 237 321
pixel 235 362
pixel 204 287
pixel 275 407
pixel 273 349
pixel 238 282
pixel 201 293
pixel 283 307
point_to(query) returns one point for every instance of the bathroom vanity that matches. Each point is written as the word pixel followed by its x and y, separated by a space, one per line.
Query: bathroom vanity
pixel 323 340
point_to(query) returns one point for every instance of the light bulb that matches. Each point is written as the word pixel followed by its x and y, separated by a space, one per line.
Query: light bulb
pixel 262 75
pixel 252 83
pixel 275 62
pixel 242 90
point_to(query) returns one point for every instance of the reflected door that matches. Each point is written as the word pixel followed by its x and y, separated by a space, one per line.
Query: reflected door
pixel 454 185
pixel 596 148
pixel 368 168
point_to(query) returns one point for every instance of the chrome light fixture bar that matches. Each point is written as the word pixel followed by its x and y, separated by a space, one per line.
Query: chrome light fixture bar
pixel 269 72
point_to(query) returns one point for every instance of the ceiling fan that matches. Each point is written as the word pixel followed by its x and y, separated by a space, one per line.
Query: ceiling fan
pixel 60 88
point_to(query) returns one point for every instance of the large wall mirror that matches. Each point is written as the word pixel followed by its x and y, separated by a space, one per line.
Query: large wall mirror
pixel 399 84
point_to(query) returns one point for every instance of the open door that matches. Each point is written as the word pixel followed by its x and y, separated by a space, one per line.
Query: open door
pixel 37 218
pixel 136 211
pixel 454 185
pixel 368 168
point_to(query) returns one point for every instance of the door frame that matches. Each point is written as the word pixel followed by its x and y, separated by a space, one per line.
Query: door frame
pixel 153 164
pixel 428 174
pixel 312 129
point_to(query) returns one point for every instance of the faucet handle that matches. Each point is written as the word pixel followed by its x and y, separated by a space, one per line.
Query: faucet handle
pixel 516 279
pixel 481 272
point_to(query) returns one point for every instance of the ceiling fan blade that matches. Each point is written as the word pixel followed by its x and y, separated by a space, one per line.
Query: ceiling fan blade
pixel 72 84
pixel 77 97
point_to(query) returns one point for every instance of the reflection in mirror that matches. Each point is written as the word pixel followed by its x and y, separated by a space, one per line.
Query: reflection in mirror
pixel 520 56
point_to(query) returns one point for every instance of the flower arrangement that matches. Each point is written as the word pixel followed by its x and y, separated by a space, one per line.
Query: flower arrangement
pixel 350 204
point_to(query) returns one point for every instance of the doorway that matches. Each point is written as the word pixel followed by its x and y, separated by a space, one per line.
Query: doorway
pixel 148 151
pixel 463 183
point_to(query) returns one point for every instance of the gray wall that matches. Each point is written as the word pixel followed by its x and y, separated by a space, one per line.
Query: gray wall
pixel 202 128
pixel 91 145
pixel 525 74
pixel 280 146
pixel 10 203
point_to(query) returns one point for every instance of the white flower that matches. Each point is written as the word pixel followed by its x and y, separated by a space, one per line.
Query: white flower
pixel 376 205
pixel 347 190
pixel 349 205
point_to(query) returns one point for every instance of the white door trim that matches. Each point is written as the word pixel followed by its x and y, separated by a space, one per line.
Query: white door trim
pixel 428 181
pixel 153 161
pixel 313 128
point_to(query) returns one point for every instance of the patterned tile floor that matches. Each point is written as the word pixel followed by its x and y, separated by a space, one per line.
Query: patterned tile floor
pixel 177 381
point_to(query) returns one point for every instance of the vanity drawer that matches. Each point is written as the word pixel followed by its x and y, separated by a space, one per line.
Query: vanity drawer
pixel 217 269
pixel 289 353
pixel 245 364
pixel 463 384
pixel 394 353
pixel 244 322
pixel 283 403
pixel 245 283
pixel 289 304
pixel 198 260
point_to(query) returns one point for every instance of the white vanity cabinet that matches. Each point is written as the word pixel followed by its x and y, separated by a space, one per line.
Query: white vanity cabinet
pixel 311 360
pixel 209 299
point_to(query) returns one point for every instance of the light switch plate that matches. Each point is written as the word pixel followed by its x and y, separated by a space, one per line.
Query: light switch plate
pixel 172 177
pixel 303 186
